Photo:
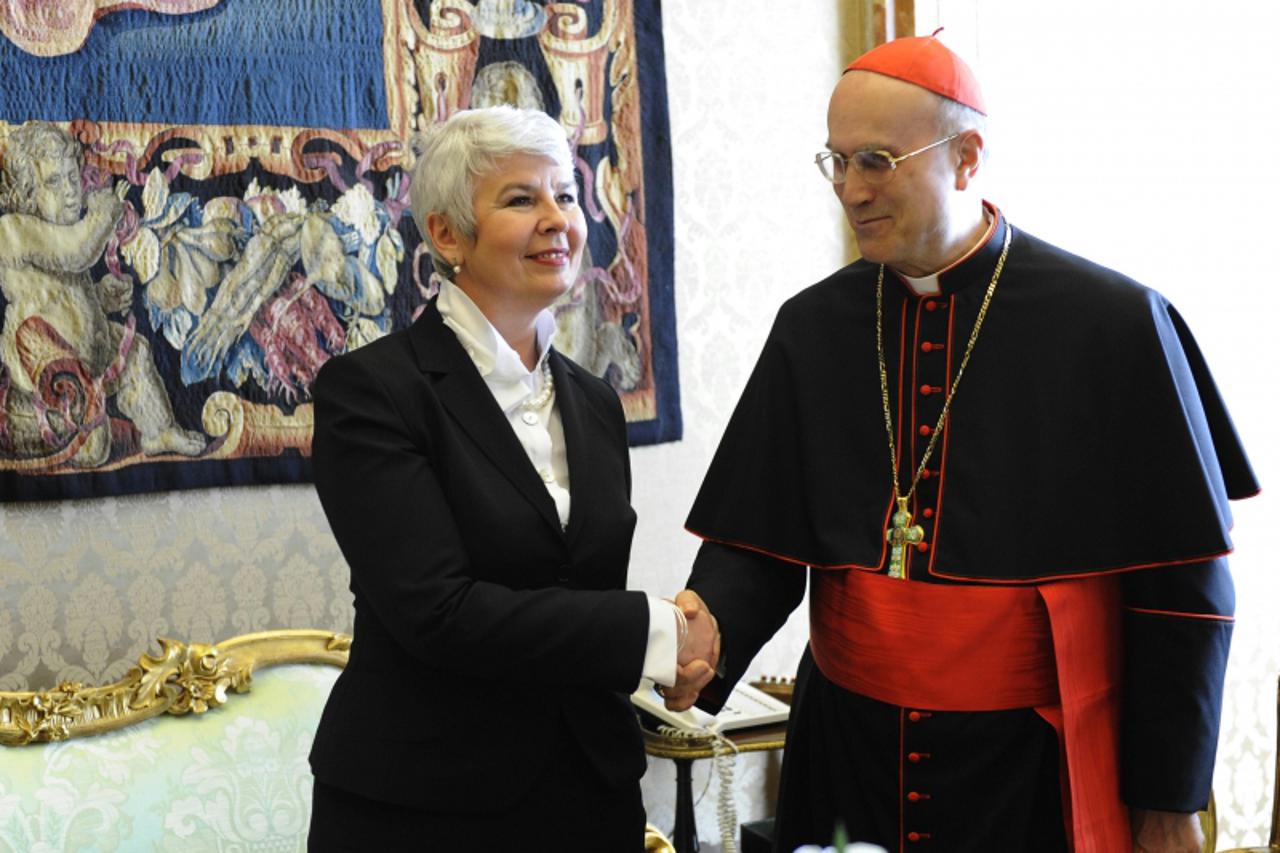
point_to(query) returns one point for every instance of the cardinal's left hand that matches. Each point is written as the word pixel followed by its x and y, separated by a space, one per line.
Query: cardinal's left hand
pixel 1166 832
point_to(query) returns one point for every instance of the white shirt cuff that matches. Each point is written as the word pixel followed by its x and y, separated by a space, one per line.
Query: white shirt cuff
pixel 660 654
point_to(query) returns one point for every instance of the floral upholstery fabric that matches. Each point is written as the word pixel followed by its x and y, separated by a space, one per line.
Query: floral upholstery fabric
pixel 233 779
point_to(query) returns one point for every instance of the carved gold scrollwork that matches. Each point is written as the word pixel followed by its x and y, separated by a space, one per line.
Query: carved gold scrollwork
pixel 188 678
pixel 576 60
pixel 44 716
pixel 183 678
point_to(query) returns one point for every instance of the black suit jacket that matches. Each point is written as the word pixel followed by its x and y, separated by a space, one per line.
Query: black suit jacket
pixel 481 627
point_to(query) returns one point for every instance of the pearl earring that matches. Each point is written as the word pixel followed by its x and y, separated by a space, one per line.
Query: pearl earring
pixel 457 268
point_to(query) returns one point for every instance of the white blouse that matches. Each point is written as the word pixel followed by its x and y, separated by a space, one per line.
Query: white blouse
pixel 541 434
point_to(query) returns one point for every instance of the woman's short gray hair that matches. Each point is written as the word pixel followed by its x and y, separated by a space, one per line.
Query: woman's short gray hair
pixel 455 154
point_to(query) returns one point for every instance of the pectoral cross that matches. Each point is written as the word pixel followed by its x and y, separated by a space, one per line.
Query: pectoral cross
pixel 899 535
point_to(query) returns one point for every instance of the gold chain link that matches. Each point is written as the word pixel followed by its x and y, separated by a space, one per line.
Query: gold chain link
pixel 946 406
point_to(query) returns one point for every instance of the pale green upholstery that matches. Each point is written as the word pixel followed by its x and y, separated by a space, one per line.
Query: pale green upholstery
pixel 235 778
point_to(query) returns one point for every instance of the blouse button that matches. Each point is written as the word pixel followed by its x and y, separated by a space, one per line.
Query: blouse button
pixel 529 418
pixel 546 475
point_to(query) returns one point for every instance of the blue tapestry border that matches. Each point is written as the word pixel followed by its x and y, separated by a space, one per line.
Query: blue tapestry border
pixel 659 216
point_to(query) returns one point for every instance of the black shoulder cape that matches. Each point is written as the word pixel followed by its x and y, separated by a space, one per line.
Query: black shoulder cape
pixel 1087 435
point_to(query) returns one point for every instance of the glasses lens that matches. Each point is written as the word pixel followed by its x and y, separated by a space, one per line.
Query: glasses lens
pixel 831 165
pixel 875 167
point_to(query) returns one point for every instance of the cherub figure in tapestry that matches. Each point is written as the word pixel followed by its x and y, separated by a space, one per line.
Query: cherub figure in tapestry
pixel 62 359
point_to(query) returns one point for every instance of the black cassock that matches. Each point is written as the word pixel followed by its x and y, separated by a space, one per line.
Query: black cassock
pixel 1087 437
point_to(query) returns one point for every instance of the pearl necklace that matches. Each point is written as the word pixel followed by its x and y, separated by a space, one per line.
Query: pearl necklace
pixel 534 404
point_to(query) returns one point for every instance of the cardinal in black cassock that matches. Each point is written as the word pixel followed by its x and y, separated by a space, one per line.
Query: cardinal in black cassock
pixel 1007 469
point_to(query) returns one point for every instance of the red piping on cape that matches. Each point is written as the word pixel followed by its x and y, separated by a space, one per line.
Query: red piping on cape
pixel 1212 617
pixel 1088 574
pixel 961 578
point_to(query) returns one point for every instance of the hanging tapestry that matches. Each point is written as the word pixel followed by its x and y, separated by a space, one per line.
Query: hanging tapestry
pixel 203 200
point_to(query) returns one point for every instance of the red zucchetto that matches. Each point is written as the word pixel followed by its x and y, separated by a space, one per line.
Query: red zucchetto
pixel 925 62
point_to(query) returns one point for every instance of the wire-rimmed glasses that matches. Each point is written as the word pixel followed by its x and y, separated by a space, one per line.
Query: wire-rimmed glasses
pixel 874 167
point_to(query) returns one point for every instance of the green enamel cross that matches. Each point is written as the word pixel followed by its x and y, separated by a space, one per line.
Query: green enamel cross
pixel 901 534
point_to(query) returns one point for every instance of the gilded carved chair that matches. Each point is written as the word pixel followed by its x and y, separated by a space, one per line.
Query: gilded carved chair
pixel 159 773
pixel 655 841
pixel 1273 841
pixel 164 775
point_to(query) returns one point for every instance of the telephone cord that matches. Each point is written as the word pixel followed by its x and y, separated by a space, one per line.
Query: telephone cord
pixel 724 756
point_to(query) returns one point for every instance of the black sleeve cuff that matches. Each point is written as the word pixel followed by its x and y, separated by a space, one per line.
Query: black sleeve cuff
pixel 1175 665
pixel 751 595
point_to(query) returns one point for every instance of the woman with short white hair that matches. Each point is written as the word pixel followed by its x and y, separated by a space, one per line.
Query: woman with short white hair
pixel 478 484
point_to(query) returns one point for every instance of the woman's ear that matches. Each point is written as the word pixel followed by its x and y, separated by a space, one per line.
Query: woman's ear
pixel 444 237
pixel 971 145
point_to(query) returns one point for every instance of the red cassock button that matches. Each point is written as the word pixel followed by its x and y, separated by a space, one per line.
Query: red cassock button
pixel 928 512
pixel 926 474
pixel 913 757
pixel 926 390
pixel 926 347
pixel 925 430
pixel 913 797
pixel 922 547
pixel 914 716
pixel 931 306
pixel 913 836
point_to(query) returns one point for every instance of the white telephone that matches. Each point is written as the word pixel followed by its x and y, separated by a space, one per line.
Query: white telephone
pixel 747 707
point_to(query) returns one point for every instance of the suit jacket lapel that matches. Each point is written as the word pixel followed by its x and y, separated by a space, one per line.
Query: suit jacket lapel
pixel 581 432
pixel 463 392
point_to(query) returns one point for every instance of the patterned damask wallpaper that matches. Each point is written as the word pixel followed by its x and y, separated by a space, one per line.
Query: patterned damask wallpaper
pixel 87 586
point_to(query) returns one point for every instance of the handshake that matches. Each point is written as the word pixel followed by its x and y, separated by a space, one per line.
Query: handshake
pixel 697 653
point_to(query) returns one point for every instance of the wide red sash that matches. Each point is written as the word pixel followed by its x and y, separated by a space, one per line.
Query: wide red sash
pixel 1053 647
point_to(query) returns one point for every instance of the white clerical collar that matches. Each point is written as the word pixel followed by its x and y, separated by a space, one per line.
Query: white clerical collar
pixel 928 285
pixel 497 362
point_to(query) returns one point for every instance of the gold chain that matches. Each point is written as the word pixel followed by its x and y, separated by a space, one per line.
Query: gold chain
pixel 946 406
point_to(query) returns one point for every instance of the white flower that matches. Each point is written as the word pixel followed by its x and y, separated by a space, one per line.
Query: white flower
pixel 266 202
pixel 358 209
